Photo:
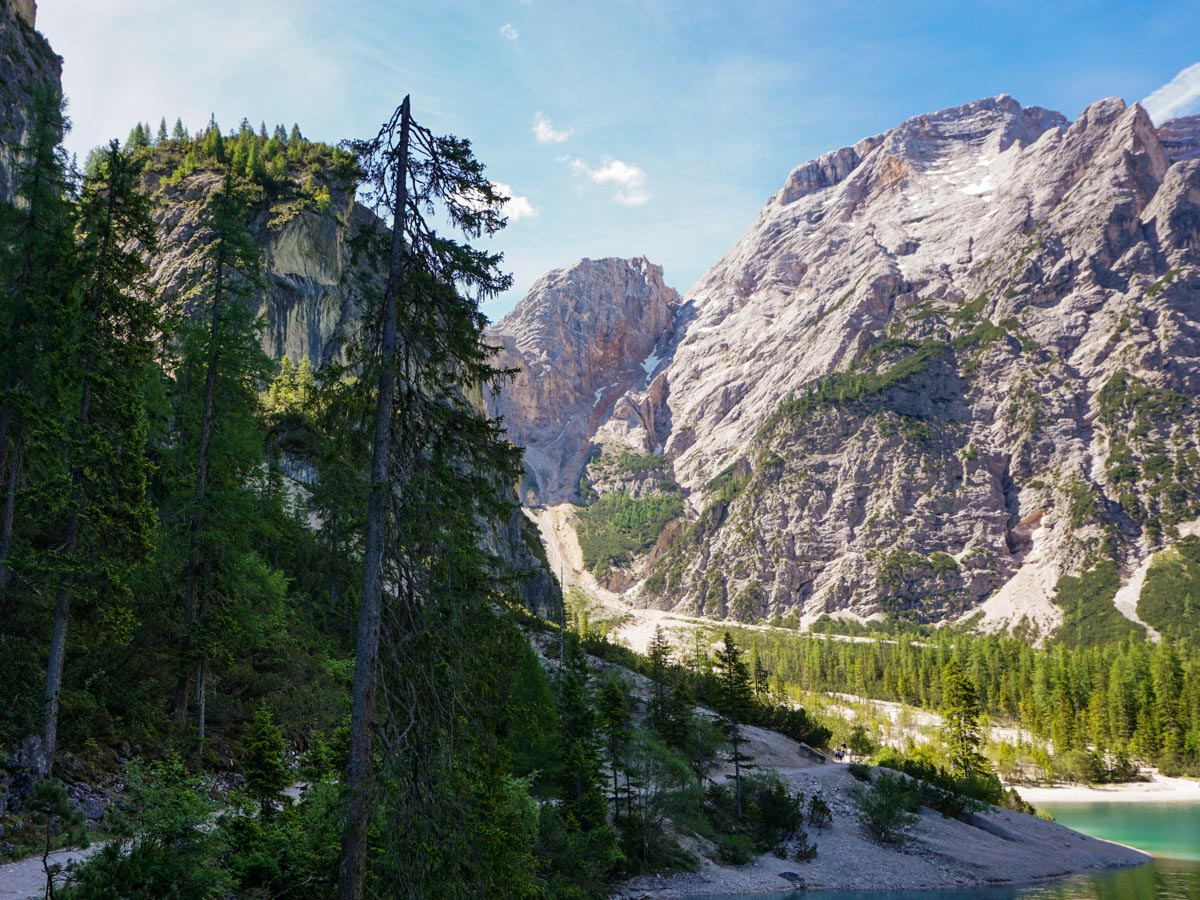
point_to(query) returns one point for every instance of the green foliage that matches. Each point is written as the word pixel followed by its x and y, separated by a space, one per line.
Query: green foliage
pixel 971 310
pixel 639 463
pixel 736 849
pixel 942 563
pixel 960 710
pixel 888 807
pixel 1170 599
pixel 297 174
pixel 860 772
pixel 819 814
pixel 727 485
pixel 897 566
pixel 949 792
pixel 661 790
pixel 618 527
pixel 293 390
pixel 165 848
pixel 1161 284
pixel 1089 616
pixel 59 822
pixel 1083 506
pixel 575 863
pixel 263 766
pixel 1127 404
pixel 859 382
pixel 1113 697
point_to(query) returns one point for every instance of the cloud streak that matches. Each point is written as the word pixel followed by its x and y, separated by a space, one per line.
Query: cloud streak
pixel 1178 97
pixel 546 133
pixel 509 32
pixel 628 179
pixel 516 207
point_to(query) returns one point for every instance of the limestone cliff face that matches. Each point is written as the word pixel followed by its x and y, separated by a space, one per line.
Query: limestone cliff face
pixel 312 298
pixel 943 369
pixel 26 61
pixel 311 306
pixel 584 340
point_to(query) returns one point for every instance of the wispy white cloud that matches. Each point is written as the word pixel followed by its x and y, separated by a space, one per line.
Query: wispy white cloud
pixel 509 32
pixel 546 133
pixel 517 206
pixel 628 179
pixel 1178 97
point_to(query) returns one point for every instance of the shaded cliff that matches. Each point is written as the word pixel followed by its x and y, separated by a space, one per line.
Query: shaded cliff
pixel 26 61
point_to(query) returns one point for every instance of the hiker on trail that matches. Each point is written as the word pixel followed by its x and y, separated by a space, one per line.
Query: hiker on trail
pixel 837 753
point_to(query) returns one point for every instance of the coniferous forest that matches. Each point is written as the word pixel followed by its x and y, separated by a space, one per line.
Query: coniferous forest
pixel 185 625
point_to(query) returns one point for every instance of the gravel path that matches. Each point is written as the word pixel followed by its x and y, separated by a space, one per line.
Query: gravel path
pixel 25 879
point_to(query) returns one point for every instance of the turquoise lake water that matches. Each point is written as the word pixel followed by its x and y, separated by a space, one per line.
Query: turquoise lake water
pixel 1163 829
pixel 1171 832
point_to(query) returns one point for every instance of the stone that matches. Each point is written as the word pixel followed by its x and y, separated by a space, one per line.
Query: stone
pixel 582 339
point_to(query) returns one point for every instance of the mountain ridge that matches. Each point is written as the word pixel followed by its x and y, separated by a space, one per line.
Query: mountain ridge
pixel 997 257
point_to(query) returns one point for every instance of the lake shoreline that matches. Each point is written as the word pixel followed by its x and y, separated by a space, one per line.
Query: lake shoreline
pixel 998 848
pixel 1158 789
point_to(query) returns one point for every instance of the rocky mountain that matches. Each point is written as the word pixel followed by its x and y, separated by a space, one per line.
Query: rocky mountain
pixel 949 372
pixel 26 62
pixel 314 289
pixel 312 296
pixel 585 341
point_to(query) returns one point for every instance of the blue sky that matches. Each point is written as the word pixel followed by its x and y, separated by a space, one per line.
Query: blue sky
pixel 664 124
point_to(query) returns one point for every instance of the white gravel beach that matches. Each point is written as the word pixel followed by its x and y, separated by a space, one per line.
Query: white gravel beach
pixel 996 848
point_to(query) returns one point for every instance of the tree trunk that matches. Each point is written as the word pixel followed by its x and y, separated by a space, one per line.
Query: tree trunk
pixel 191 577
pixel 737 769
pixel 10 505
pixel 62 609
pixel 353 863
pixel 58 656
pixel 201 708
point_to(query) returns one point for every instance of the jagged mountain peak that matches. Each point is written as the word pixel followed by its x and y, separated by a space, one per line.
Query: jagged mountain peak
pixel 918 368
pixel 583 337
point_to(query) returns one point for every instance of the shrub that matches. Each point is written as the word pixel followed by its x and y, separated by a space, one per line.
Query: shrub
pixel 735 849
pixel 860 772
pixel 889 807
pixel 805 850
pixel 820 816
pixel 774 813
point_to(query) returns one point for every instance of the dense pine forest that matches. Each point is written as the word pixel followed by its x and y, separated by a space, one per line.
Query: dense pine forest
pixel 1098 707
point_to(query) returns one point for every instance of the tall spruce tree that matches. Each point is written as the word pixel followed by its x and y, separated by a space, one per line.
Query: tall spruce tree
pixel 659 655
pixel 960 709
pixel 615 720
pixel 220 448
pixel 104 347
pixel 735 696
pixel 36 248
pixel 423 351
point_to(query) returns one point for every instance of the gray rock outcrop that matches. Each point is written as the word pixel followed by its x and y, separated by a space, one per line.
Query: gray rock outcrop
pixel 26 61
